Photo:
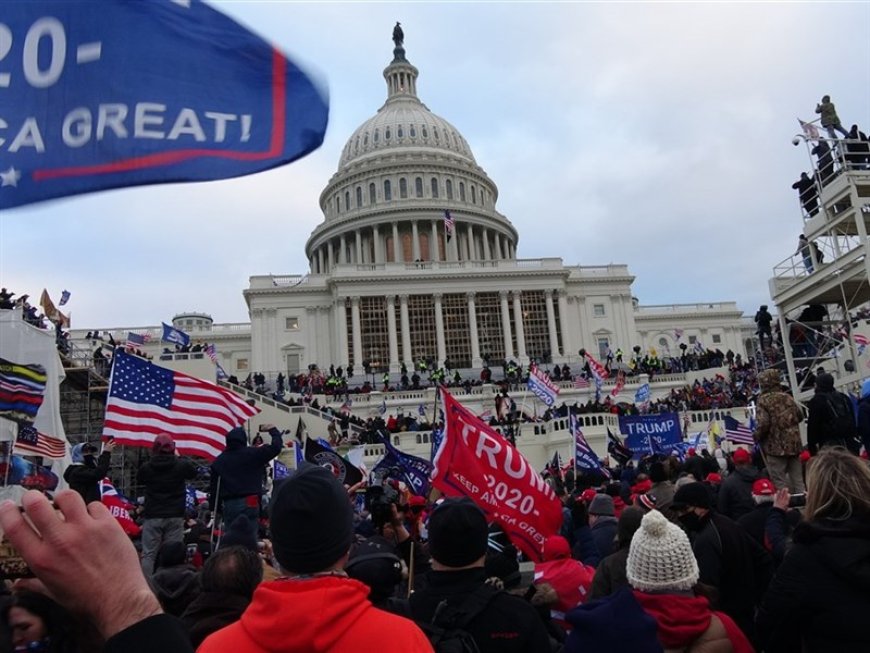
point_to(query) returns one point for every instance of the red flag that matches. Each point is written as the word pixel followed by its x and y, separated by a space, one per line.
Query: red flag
pixel 119 507
pixel 572 581
pixel 475 461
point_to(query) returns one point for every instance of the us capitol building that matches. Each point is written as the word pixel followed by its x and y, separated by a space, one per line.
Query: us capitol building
pixel 388 284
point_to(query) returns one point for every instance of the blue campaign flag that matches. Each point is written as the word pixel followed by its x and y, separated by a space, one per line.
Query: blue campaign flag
pixel 645 434
pixel 437 437
pixel 119 93
pixel 415 471
pixel 642 394
pixel 280 470
pixel 171 334
pixel 189 498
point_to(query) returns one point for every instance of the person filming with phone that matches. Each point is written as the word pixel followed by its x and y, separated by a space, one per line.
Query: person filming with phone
pixel 86 471
pixel 237 475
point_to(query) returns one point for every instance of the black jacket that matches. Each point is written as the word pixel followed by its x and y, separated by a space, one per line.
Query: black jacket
pixel 822 589
pixel 211 611
pixel 159 633
pixel 85 479
pixel 822 420
pixel 733 563
pixel 610 575
pixel 163 477
pixel 175 587
pixel 240 468
pixel 604 534
pixel 735 494
pixel 753 523
pixel 508 624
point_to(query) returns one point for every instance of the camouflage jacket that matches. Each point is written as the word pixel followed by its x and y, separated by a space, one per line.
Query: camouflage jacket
pixel 777 430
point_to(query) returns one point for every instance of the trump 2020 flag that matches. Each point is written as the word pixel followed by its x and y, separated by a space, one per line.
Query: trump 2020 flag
pixel 542 387
pixel 146 400
pixel 177 336
pixel 116 93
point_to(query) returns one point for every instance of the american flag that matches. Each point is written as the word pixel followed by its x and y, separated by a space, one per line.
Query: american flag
pixel 810 130
pixel 620 384
pixel 211 352
pixel 31 442
pixel 345 407
pixel 135 339
pixel 146 400
pixel 449 224
pixel 737 432
pixel 581 382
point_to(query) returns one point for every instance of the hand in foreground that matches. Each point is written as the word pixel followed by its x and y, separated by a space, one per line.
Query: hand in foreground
pixel 83 558
pixel 781 499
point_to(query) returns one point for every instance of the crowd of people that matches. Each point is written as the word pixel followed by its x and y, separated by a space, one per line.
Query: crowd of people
pixel 756 550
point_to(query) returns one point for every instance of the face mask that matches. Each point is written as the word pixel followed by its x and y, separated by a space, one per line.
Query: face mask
pixel 691 521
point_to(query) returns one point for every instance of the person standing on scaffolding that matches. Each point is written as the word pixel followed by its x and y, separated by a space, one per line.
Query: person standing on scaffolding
pixel 237 475
pixel 830 119
pixel 763 318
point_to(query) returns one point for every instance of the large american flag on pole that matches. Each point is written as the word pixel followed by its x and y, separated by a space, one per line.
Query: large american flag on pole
pixel 737 432
pixel 146 400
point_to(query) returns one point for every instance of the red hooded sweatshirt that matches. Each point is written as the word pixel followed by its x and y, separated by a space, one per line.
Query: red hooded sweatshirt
pixel 683 619
pixel 318 615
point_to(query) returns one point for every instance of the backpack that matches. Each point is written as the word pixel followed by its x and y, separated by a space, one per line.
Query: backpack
pixel 447 631
pixel 841 430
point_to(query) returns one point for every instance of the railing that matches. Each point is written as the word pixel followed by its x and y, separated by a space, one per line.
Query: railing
pixel 680 308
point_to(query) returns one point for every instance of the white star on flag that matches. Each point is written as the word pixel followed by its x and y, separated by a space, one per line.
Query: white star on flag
pixel 10 177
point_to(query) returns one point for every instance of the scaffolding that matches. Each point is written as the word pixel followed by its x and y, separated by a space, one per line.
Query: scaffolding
pixel 822 291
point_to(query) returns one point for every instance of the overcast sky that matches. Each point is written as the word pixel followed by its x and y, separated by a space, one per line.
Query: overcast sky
pixel 655 135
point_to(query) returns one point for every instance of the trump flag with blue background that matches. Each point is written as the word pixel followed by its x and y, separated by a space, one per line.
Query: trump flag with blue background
pixel 97 95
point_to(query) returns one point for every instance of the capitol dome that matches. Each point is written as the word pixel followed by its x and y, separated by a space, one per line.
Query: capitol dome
pixel 404 175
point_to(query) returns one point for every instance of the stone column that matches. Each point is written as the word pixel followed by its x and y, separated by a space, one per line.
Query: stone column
pixel 358 236
pixel 476 361
pixel 469 241
pixel 330 255
pixel 565 325
pixel 506 324
pixel 341 331
pixel 342 257
pixel 487 254
pixel 376 245
pixel 439 330
pixel 406 332
pixel 357 333
pixel 521 333
pixel 391 333
pixel 434 255
pixel 320 260
pixel 551 324
pixel 415 244
pixel 397 246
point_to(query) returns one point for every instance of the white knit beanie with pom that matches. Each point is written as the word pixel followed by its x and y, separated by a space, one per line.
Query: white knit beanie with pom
pixel 660 557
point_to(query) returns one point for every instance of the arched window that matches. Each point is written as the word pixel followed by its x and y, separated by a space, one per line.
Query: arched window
pixel 387 134
pixel 372 193
pixel 338 203
pixel 358 197
pixel 473 194
pixel 377 135
pixel 366 139
pixel 356 145
pixel 403 188
pixel 418 186
pixel 449 185
pixel 434 185
pixel 388 190
pixel 461 191
pixel 412 131
pixel 435 132
pixel 347 200
pixel 425 131
pixel 400 132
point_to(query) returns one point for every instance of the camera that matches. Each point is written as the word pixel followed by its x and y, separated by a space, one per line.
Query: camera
pixel 797 500
pixel 379 500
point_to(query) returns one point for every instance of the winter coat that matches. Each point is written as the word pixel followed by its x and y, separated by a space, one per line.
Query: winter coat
pixel 735 494
pixel 821 420
pixel 240 468
pixel 610 574
pixel 822 588
pixel 164 479
pixel 686 624
pixel 570 580
pixel 85 479
pixel 316 615
pixel 507 625
pixel 585 550
pixel 211 611
pixel 864 421
pixel 604 534
pixel 753 522
pixel 161 632
pixel 778 417
pixel 175 587
pixel 733 563
pixel 829 114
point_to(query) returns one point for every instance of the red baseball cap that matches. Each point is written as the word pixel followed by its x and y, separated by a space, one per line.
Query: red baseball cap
pixel 763 487
pixel 741 457
pixel 556 547
pixel 713 477
pixel 587 495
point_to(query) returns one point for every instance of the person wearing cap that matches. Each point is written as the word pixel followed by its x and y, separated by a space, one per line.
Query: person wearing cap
pixel 602 520
pixel 662 570
pixel 662 489
pixel 457 543
pixel 237 474
pixel 777 431
pixel 735 495
pixel 86 471
pixel 164 477
pixel 570 579
pixel 728 559
pixel 315 606
pixel 610 574
pixel 763 491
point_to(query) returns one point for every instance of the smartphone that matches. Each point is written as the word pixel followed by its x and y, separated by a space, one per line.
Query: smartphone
pixel 12 565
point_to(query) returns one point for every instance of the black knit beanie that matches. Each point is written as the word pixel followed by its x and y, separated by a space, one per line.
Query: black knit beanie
pixel 311 521
pixel 457 533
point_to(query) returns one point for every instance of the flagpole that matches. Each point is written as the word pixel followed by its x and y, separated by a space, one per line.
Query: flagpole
pixel 571 427
pixel 9 456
